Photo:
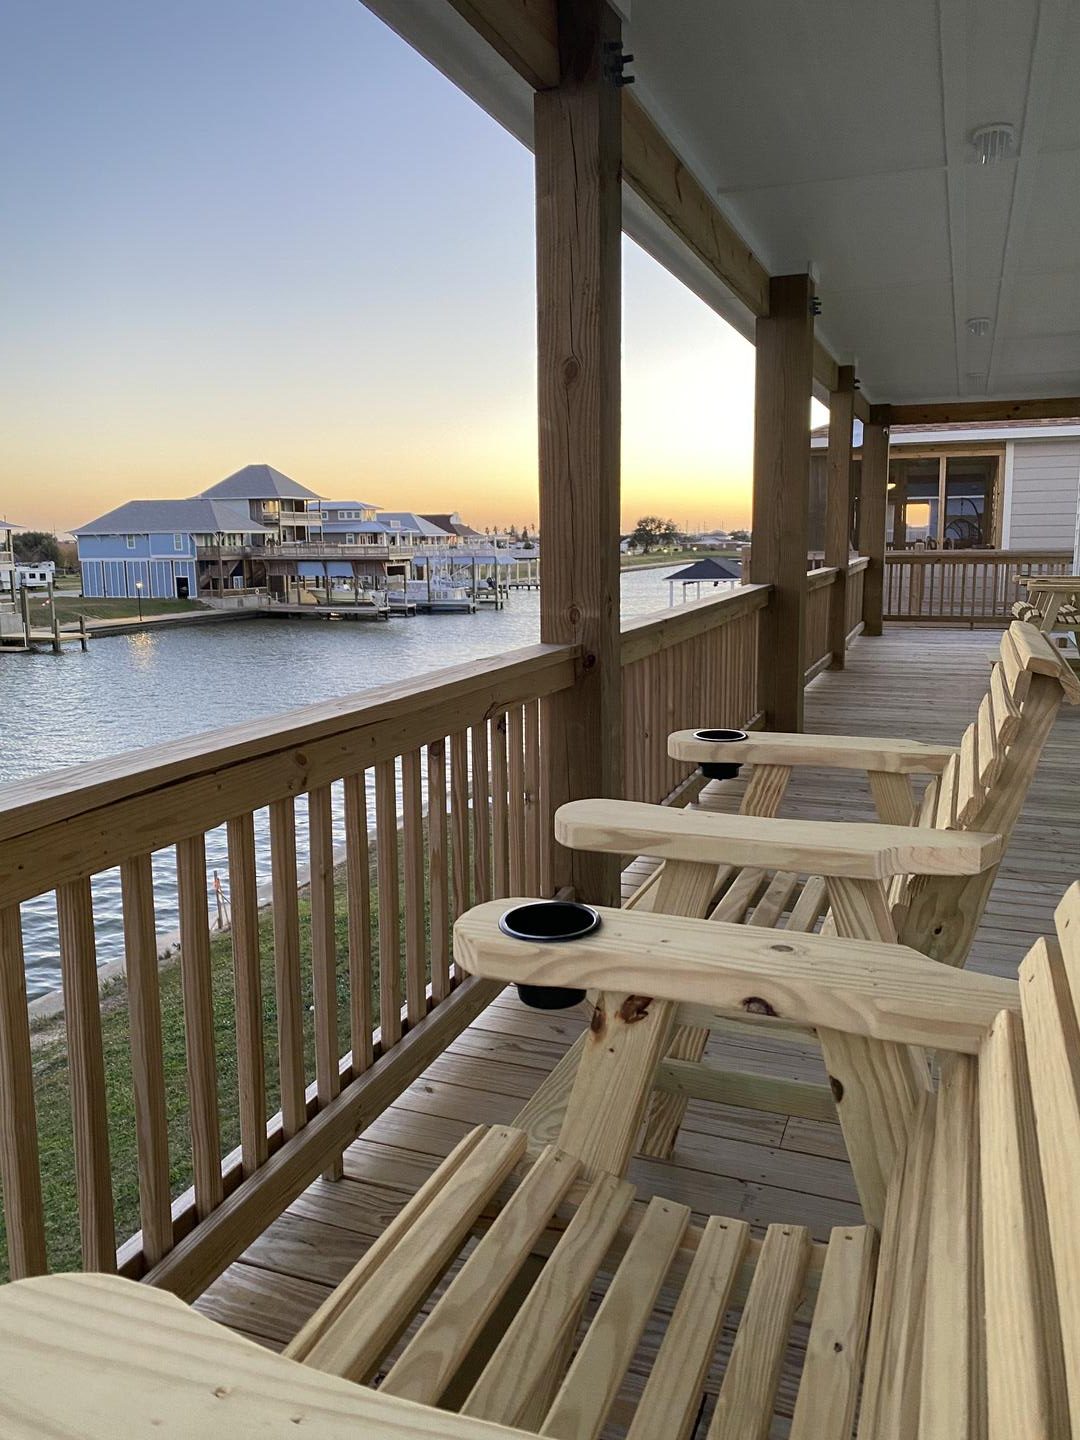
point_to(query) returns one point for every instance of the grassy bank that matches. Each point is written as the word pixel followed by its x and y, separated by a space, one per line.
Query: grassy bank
pixel 672 557
pixel 54 1100
pixel 70 607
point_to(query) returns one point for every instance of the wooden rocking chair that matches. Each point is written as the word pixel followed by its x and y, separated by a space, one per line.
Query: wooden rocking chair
pixel 576 1305
pixel 770 872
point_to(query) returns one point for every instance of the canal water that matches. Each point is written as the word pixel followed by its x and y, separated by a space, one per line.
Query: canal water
pixel 135 690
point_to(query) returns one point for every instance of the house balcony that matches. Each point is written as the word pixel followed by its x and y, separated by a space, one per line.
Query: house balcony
pixel 293 550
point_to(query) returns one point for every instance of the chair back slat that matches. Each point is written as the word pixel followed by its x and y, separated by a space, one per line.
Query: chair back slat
pixel 969 790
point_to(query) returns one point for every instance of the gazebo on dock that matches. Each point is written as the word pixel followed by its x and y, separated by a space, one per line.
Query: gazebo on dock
pixel 707 571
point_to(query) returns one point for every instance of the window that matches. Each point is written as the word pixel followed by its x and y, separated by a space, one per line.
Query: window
pixel 130 541
pixel 942 502
pixel 178 541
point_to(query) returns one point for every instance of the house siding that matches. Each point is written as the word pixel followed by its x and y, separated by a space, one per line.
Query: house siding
pixel 1043 494
pixel 111 568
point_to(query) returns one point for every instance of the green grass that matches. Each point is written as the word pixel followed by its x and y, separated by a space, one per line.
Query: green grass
pixel 54 1101
pixel 70 607
pixel 672 557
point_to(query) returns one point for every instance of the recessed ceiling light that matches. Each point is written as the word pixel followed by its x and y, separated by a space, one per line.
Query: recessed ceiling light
pixel 978 325
pixel 993 143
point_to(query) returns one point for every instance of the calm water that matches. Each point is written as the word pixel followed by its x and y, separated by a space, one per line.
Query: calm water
pixel 135 690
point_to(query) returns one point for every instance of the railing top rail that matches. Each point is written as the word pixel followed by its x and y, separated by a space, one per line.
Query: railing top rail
pixel 860 563
pixel 664 628
pixel 458 693
pixel 823 575
pixel 967 557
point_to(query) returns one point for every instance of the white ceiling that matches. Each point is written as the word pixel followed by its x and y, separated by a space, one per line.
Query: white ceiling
pixel 836 135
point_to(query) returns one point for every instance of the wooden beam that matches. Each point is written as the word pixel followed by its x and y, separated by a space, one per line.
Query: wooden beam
pixel 974 412
pixel 578 282
pixel 838 507
pixel 785 345
pixel 872 498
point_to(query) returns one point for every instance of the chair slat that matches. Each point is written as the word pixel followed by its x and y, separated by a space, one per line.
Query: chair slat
pixel 991 756
pixel 1025 1368
pixel 744 1409
pixel 829 1387
pixel 540 1328
pixel 739 896
pixel 969 792
pixel 1015 673
pixel 810 906
pixel 1053 1046
pixel 431 1359
pixel 953 1391
pixel 1006 710
pixel 890 1399
pixel 945 812
pixel 86 1074
pixel 672 1396
pixel 385 1295
pixel 776 899
pixel 582 1403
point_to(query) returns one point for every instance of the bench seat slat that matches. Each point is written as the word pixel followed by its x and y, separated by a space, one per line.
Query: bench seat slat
pixel 832 1373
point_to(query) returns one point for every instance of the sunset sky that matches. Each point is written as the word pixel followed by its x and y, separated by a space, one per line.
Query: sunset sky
pixel 257 230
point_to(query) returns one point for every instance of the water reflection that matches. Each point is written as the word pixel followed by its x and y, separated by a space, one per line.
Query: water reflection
pixel 136 690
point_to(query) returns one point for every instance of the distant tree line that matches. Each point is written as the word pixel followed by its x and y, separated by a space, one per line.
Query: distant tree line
pixel 653 533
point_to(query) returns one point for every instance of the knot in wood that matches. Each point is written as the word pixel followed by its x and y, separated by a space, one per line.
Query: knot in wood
pixel 571 369
pixel 634 1008
pixel 598 1023
pixel 837 1089
pixel 755 1005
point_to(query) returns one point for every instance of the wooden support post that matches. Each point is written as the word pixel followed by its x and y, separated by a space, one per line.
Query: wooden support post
pixel 778 557
pixel 872 494
pixel 578 279
pixel 838 507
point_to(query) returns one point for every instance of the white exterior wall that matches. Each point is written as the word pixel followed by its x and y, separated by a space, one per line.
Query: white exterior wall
pixel 1040 500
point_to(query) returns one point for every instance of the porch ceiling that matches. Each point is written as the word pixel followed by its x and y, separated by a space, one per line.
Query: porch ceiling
pixel 837 136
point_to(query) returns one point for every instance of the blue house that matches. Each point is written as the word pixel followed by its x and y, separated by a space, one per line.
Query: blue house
pixel 153 547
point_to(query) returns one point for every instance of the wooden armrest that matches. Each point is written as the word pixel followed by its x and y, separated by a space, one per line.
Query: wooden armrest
pixel 884 992
pixel 808 847
pixel 837 752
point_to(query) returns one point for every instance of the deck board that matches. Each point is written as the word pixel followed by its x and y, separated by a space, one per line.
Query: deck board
pixel 917 682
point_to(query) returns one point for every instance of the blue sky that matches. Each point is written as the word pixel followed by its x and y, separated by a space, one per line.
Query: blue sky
pixel 262 230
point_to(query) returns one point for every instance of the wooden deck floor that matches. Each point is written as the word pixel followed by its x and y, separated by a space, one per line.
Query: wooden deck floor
pixel 922 682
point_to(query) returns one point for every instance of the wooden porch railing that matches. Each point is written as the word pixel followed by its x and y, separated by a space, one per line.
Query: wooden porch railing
pixel 324 1032
pixel 306 1020
pixel 818 652
pixel 977 586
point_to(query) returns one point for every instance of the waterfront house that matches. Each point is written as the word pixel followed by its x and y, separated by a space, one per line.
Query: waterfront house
pixel 164 549
pixel 458 532
pixel 7 557
pixel 996 484
pixel 415 530
pixel 286 511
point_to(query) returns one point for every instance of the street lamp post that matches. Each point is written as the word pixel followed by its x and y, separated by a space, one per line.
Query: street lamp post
pixel 138 592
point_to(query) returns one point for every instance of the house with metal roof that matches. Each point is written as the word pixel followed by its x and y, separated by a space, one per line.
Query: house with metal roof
pixel 287 510
pixel 156 547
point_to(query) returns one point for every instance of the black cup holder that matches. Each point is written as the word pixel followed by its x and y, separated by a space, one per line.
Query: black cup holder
pixel 550 922
pixel 713 769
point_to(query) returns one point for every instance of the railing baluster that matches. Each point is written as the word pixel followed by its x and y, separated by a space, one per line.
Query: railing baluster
pixel 86 1074
pixel 196 984
pixel 515 741
pixel 290 1014
pixel 412 807
pixel 358 883
pixel 324 954
pixel 438 878
pixel 533 840
pixel 247 984
pixel 147 1059
pixel 499 812
pixel 386 841
pixel 20 1171
pixel 481 814
pixel 459 819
